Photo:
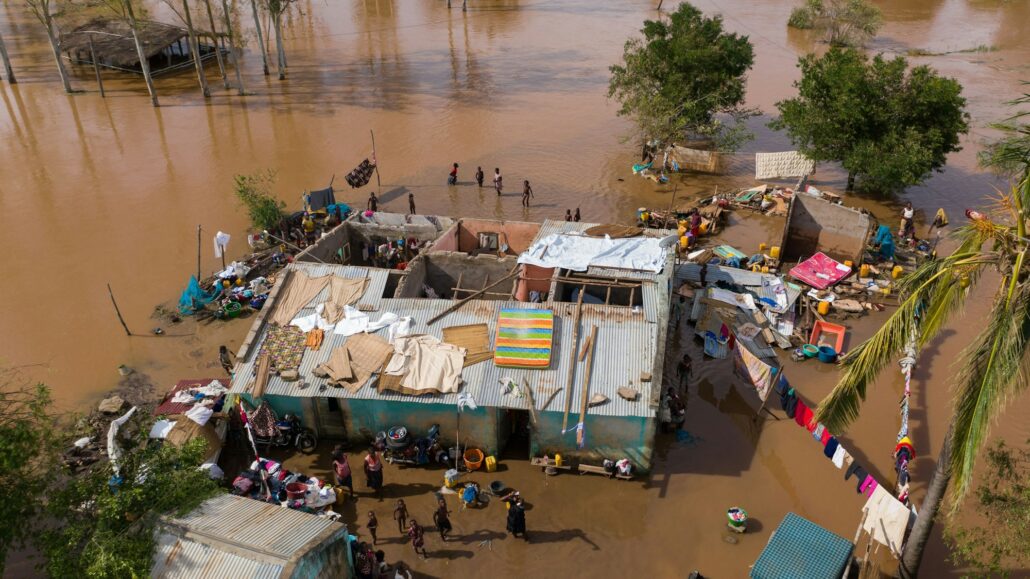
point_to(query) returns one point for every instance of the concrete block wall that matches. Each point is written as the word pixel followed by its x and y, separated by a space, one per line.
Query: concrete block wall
pixel 365 418
pixel 817 225
pixel 612 437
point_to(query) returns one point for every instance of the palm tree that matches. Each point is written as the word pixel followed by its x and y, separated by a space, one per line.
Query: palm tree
pixel 995 366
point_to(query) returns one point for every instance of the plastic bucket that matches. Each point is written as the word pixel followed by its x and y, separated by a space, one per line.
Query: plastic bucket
pixel 823 308
pixel 473 458
pixel 810 350
pixel 296 490
pixel 827 354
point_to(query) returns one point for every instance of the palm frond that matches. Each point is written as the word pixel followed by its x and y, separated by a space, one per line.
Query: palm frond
pixel 995 366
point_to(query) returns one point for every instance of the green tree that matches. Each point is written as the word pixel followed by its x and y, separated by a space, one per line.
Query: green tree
pixel 101 523
pixel 683 78
pixel 888 125
pixel 264 208
pixel 1004 500
pixel 844 22
pixel 27 449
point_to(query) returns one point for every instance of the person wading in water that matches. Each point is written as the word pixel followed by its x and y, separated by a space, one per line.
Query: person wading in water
pixel 479 176
pixel 452 179
pixel 498 184
pixel 527 193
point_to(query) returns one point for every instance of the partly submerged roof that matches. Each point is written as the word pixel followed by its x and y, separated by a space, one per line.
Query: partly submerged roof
pixel 113 43
pixel 801 549
pixel 231 536
pixel 627 341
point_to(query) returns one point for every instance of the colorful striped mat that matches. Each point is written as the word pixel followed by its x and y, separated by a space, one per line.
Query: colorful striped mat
pixel 524 338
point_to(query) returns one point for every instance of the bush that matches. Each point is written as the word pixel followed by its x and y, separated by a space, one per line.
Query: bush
pixel 264 208
pixel 801 18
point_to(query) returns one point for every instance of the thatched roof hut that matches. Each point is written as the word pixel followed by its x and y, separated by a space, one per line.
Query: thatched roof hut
pixel 165 46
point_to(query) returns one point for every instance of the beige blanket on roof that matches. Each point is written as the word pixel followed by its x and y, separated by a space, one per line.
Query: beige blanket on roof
pixel 425 364
pixel 300 289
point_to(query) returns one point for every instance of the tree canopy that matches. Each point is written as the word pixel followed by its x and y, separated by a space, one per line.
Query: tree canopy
pixel 681 76
pixel 889 125
pixel 253 191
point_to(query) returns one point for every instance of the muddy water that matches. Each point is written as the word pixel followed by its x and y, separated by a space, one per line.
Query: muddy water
pixel 96 191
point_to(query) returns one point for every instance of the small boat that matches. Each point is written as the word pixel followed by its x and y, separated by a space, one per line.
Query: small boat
pixel 827 334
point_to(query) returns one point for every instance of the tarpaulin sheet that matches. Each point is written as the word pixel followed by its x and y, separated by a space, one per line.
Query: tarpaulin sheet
pixel 820 271
pixel 577 253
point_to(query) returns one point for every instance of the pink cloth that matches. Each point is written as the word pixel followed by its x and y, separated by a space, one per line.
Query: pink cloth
pixel 868 485
pixel 820 271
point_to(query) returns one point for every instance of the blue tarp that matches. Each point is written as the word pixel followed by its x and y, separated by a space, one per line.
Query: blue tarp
pixel 801 549
pixel 195 298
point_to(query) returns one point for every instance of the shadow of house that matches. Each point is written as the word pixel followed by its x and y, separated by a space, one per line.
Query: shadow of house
pixel 165 46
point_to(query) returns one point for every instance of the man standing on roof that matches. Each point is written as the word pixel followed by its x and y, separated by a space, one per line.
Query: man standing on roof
pixel 576 216
pixel 373 202
pixel 411 203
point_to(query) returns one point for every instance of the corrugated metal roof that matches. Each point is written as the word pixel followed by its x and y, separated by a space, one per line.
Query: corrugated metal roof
pixel 750 280
pixel 205 542
pixel 626 341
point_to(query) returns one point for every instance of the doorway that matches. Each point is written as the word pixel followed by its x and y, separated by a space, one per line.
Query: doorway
pixel 513 431
pixel 330 419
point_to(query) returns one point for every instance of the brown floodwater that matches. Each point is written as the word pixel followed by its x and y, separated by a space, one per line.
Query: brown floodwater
pixel 96 191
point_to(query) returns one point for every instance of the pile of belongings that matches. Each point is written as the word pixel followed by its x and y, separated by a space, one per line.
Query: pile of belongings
pixel 281 484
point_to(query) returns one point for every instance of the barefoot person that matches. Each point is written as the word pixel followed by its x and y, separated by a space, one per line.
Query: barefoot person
pixel 498 180
pixel 441 520
pixel 373 526
pixel 341 471
pixel 227 359
pixel 400 514
pixel 418 539
pixel 374 472
pixel 411 203
pixel 517 518
pixel 479 176
pixel 452 179
pixel 527 193
pixel 373 202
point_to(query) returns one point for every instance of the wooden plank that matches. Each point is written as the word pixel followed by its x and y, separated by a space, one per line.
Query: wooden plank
pixel 464 301
pixel 572 361
pixel 586 386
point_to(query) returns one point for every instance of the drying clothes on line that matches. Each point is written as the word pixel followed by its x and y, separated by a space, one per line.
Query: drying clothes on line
pixel 825 438
pixel 818 432
pixel 753 370
pixel 868 485
pixel 426 365
pixel 361 174
pixel 857 470
pixel 221 242
pixel 831 447
pixel 886 519
pixel 799 414
pixel 838 457
pixel 284 346
pixel 789 402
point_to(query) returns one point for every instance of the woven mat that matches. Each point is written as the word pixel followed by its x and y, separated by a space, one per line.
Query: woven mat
pixel 475 338
pixel 368 354
pixel 613 231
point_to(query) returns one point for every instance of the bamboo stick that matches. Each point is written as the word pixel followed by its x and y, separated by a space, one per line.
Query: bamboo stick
pixel 118 311
pixel 580 436
pixel 572 361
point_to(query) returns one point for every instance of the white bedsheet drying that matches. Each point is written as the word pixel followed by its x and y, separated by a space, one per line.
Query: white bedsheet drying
pixel 578 252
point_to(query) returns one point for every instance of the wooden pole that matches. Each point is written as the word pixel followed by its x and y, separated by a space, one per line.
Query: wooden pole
pixel 464 301
pixel 232 47
pixel 581 432
pixel 379 182
pixel 96 67
pixel 117 311
pixel 675 187
pixel 532 402
pixel 198 253
pixel 223 256
pixel 572 360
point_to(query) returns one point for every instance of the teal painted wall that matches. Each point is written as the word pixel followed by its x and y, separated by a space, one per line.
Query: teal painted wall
pixel 330 559
pixel 364 418
pixel 613 437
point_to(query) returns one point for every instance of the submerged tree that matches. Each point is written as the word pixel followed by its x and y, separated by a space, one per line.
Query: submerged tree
pixel 276 10
pixel 681 76
pixel 264 208
pixel 889 125
pixel 125 10
pixel 194 45
pixel 844 22
pixel 1004 501
pixel 994 367
pixel 6 61
pixel 44 11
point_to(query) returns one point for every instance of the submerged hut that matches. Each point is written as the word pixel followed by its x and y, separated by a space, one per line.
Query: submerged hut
pixel 165 46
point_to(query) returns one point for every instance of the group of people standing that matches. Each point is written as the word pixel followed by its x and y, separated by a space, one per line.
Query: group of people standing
pixel 527 190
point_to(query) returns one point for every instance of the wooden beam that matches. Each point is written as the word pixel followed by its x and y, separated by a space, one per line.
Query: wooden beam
pixel 457 289
pixel 572 361
pixel 464 301
pixel 586 387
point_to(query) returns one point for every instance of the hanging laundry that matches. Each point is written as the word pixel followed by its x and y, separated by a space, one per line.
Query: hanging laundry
pixel 825 438
pixel 753 370
pixel 857 470
pixel 361 174
pixel 818 432
pixel 221 242
pixel 799 414
pixel 886 519
pixel 838 457
pixel 831 447
pixel 868 485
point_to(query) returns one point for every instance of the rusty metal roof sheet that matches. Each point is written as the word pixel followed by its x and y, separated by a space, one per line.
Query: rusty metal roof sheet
pixel 230 536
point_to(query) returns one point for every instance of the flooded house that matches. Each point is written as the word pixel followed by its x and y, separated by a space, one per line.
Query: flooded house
pixel 485 332
pixel 109 43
